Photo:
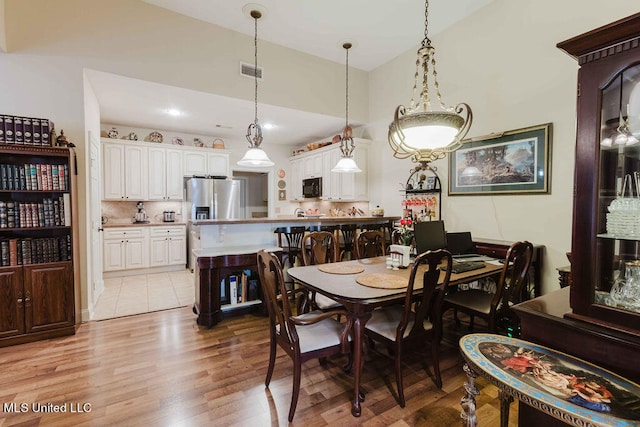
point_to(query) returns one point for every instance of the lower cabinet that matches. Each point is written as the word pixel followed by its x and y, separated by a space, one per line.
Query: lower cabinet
pixel 37 302
pixel 167 246
pixel 130 248
pixel 126 248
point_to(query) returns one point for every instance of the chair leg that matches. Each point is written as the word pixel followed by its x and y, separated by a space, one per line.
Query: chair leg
pixel 297 368
pixel 398 360
pixel 272 361
pixel 471 322
pixel 455 317
pixel 435 360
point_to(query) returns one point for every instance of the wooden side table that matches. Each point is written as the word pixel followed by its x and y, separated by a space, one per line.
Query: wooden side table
pixel 212 266
pixel 567 388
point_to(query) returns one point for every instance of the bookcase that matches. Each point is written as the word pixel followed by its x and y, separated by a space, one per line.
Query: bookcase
pixel 36 259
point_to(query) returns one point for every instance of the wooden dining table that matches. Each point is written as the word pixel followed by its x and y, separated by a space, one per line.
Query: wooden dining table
pixel 359 300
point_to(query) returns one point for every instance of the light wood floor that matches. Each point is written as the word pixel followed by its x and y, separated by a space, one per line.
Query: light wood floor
pixel 161 369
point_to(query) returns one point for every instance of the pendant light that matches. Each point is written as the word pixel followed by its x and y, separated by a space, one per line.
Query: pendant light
pixel 622 135
pixel 346 164
pixel 255 156
pixel 418 131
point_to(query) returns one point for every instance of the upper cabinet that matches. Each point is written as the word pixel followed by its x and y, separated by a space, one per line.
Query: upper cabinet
pixel 151 171
pixel 606 215
pixel 206 162
pixel 125 171
pixel 336 187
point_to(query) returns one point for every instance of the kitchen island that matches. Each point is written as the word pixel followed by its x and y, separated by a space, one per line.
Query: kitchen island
pixel 219 233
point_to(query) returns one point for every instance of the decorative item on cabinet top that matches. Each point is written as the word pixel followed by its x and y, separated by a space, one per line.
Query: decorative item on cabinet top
pixel 154 136
pixel 218 143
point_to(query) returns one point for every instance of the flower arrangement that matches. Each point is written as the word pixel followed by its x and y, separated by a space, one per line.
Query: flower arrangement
pixel 404 233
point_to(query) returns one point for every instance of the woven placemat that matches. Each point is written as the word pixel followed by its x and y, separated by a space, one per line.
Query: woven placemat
pixel 341 268
pixel 382 281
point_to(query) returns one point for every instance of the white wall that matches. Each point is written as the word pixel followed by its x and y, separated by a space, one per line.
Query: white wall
pixel 503 62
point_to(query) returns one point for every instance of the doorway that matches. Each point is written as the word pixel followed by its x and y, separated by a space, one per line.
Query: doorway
pixel 256 193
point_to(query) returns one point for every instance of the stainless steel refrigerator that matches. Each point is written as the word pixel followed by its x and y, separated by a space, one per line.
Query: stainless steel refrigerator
pixel 212 198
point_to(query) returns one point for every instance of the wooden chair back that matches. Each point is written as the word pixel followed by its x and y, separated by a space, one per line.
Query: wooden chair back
pixel 429 307
pixel 319 247
pixel 275 295
pixel 512 278
pixel 293 237
pixel 370 244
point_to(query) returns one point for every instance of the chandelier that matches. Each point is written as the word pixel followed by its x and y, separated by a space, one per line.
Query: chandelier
pixel 418 131
pixel 346 164
pixel 255 155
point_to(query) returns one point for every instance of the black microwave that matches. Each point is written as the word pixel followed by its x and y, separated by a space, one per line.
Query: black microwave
pixel 312 187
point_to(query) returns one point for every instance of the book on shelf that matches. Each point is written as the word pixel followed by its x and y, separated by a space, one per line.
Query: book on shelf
pixel 8 130
pixel 66 209
pixel 252 290
pixel 233 289
pixel 13 252
pixel 243 288
pixel 27 130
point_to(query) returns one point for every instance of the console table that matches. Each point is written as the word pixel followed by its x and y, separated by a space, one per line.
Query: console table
pixel 567 388
pixel 212 266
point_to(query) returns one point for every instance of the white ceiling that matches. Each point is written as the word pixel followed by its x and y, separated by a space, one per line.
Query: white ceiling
pixel 379 29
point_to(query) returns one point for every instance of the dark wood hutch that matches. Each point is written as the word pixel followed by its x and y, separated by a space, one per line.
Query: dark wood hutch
pixel 585 319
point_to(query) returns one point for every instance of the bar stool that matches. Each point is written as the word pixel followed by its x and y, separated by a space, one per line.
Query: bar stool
pixel 293 249
pixel 348 232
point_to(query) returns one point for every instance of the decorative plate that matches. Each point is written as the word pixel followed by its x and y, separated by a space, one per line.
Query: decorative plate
pixel 281 173
pixel 282 184
pixel 154 137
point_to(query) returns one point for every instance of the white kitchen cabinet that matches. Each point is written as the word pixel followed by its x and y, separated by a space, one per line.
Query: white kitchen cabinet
pixel 313 166
pixel 125 172
pixel 201 161
pixel 217 164
pixel 125 248
pixel 168 246
pixel 295 180
pixel 195 162
pixel 165 174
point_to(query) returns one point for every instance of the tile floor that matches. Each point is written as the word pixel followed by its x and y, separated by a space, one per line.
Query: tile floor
pixel 125 296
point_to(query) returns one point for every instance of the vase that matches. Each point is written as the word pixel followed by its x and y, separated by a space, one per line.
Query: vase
pixel 625 291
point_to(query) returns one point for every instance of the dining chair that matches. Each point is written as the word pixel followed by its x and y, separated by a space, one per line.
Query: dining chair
pixel 314 335
pixel 370 244
pixel 319 247
pixel 496 308
pixel 413 323
pixel 293 238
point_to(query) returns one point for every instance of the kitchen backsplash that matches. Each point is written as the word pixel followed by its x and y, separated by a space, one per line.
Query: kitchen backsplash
pixel 123 212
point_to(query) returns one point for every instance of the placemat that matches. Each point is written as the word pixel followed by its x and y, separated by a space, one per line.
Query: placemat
pixel 341 268
pixel 382 281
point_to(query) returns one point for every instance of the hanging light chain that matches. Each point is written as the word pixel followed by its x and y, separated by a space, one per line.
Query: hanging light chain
pixel 255 57
pixel 255 140
pixel 346 106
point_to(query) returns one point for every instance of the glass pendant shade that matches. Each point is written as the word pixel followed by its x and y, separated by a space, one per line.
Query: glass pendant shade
pixel 346 165
pixel 255 157
pixel 420 132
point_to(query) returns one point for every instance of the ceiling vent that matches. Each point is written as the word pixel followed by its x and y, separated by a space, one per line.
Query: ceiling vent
pixel 249 70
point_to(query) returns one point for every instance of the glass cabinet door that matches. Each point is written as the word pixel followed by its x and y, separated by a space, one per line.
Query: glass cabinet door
pixel 618 207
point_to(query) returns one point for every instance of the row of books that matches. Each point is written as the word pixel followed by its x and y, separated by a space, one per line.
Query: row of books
pixel 23 251
pixel 239 288
pixel 34 176
pixel 25 130
pixel 51 212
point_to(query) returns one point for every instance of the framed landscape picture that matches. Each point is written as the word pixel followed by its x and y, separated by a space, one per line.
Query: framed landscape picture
pixel 516 161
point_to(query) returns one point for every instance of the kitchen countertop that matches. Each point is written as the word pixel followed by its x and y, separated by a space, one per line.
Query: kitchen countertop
pixel 150 224
pixel 288 219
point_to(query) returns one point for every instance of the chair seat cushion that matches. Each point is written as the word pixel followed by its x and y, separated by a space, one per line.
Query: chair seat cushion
pixel 385 322
pixel 319 335
pixel 473 299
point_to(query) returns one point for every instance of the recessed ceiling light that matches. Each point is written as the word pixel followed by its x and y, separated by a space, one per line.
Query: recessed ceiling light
pixel 269 126
pixel 173 112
